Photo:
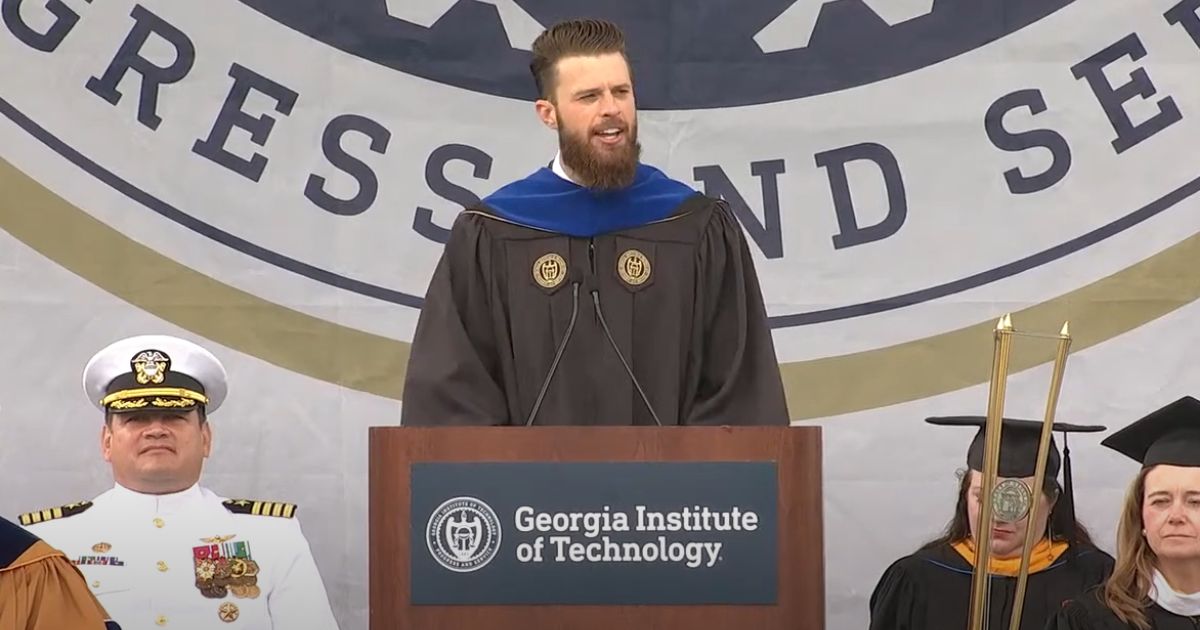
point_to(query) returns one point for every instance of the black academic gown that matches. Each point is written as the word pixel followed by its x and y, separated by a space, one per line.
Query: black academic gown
pixel 692 326
pixel 1088 612
pixel 931 590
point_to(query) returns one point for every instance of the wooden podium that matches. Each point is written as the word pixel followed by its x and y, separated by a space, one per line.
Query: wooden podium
pixel 795 451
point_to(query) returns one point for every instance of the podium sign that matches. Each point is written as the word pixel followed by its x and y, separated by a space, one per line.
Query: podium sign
pixel 595 528
pixel 601 533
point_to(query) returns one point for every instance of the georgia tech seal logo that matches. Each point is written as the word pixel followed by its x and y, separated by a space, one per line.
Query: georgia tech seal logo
pixel 463 534
pixel 549 270
pixel 633 267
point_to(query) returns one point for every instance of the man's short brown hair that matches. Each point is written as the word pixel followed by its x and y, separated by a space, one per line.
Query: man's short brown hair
pixel 572 38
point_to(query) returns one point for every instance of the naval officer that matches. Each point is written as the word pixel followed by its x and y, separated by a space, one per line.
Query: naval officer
pixel 159 550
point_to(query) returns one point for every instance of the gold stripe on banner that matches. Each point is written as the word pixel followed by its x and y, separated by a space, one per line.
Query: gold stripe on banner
pixel 374 364
pixel 962 358
pixel 189 299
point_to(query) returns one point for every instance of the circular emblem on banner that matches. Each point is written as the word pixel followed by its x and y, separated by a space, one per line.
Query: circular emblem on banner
pixel 633 267
pixel 463 534
pixel 549 270
pixel 1011 500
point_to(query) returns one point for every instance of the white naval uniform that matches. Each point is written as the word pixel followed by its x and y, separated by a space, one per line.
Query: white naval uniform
pixel 136 551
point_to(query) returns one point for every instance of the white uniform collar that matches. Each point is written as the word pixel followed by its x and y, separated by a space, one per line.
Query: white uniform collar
pixel 1185 604
pixel 156 503
pixel 558 169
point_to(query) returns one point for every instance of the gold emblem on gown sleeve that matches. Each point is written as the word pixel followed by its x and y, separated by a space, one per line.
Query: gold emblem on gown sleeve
pixel 549 270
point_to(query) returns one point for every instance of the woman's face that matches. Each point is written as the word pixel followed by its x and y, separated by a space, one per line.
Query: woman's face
pixel 1171 511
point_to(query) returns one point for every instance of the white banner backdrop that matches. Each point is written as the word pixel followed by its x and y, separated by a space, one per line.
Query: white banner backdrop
pixel 273 179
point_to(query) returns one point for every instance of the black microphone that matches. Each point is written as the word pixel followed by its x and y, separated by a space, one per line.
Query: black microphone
pixel 562 346
pixel 613 343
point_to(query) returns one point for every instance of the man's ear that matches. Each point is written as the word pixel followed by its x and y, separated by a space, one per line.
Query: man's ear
pixel 547 113
pixel 106 441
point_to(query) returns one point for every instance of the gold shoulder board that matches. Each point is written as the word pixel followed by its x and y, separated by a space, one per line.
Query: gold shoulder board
pixel 50 514
pixel 260 508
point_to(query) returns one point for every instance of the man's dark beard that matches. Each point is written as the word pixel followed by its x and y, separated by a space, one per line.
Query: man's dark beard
pixel 611 172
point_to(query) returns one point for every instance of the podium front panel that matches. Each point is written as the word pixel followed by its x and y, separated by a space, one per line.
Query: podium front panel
pixel 596 527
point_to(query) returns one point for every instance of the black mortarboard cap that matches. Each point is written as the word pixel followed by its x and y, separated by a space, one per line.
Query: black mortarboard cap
pixel 1170 435
pixel 1018 452
pixel 1018 443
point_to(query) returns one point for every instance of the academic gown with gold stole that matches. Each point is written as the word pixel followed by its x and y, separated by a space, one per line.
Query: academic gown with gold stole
pixel 931 589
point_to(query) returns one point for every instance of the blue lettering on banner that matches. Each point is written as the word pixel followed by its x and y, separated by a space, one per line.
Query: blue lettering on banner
pixel 153 76
pixel 232 116
pixel 65 20
pixel 1112 99
pixel 594 533
pixel 768 234
pixel 368 182
pixel 851 232
pixel 435 178
pixel 1184 14
pixel 798 34
pixel 1002 138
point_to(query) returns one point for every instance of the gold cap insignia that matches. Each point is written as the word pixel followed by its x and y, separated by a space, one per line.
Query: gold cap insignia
pixel 150 366
pixel 633 267
pixel 228 612
pixel 549 270
pixel 101 547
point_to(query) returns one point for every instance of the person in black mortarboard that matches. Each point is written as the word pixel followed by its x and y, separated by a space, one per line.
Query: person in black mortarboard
pixel 1156 582
pixel 931 588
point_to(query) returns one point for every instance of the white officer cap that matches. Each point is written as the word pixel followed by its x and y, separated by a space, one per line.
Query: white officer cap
pixel 154 372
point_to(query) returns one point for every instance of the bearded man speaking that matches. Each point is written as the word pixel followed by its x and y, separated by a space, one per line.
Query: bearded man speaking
pixel 597 291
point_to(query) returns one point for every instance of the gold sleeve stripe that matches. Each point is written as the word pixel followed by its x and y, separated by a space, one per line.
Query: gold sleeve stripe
pixel 290 511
